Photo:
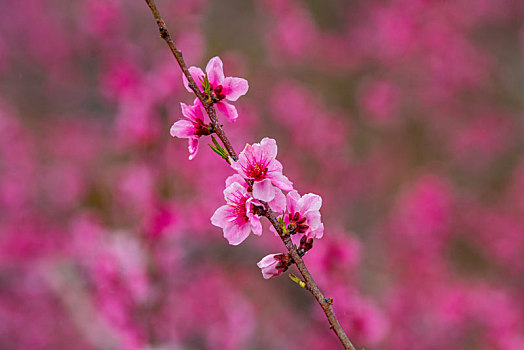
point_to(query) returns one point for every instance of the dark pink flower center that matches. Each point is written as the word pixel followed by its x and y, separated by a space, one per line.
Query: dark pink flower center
pixel 256 169
pixel 217 94
pixel 201 129
pixel 238 208
pixel 284 260
pixel 256 172
pixel 297 224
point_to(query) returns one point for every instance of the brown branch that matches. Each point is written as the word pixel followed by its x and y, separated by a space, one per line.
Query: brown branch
pixel 311 286
pixel 164 34
pixel 325 303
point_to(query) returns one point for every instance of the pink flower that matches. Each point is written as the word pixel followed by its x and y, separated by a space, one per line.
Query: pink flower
pixel 277 204
pixel 304 214
pixel 273 265
pixel 236 217
pixel 257 163
pixel 192 127
pixel 222 87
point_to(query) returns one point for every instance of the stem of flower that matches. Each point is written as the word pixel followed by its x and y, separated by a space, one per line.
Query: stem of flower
pixel 310 284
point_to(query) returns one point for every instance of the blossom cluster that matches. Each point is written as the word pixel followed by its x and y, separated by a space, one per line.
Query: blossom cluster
pixel 259 182
pixel 216 88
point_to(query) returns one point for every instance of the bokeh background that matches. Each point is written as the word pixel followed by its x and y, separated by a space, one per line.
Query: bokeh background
pixel 405 116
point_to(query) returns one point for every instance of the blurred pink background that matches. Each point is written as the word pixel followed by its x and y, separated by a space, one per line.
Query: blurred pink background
pixel 405 116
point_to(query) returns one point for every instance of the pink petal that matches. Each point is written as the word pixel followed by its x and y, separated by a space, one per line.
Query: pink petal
pixel 275 166
pixel 197 74
pixel 237 167
pixel 264 190
pixel 256 225
pixel 266 261
pixel 269 147
pixel 190 112
pixel 243 163
pixel 234 190
pixel 236 178
pixel 198 110
pixel 292 200
pixel 183 129
pixel 313 219
pixel 233 88
pixel 317 233
pixel 268 266
pixel 278 203
pixel 310 202
pixel 227 110
pixel 296 238
pixel 215 71
pixel 281 181
pixel 192 145
pixel 236 234
pixel 270 273
pixel 221 216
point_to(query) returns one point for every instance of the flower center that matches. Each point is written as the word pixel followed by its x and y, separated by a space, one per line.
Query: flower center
pixel 239 211
pixel 296 223
pixel 256 172
pixel 201 128
pixel 217 94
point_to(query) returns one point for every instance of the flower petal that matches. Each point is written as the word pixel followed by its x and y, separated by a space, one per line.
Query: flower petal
pixel 278 203
pixel 269 147
pixel 313 219
pixel 318 233
pixel 268 266
pixel 310 202
pixel 242 163
pixel 215 71
pixel 256 225
pixel 182 129
pixel 266 261
pixel 281 181
pixel 264 190
pixel 270 274
pixel 197 74
pixel 292 199
pixel 192 145
pixel 233 88
pixel 236 234
pixel 234 191
pixel 221 217
pixel 189 112
pixel 236 178
pixel 227 110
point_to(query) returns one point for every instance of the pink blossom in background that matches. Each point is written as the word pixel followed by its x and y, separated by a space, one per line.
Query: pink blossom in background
pixel 404 117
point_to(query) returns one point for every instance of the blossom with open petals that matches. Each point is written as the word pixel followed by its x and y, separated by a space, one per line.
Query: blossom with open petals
pixel 221 87
pixel 277 204
pixel 237 217
pixel 258 164
pixel 192 127
pixel 304 215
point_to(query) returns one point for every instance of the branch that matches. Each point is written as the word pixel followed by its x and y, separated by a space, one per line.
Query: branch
pixel 325 303
pixel 311 286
